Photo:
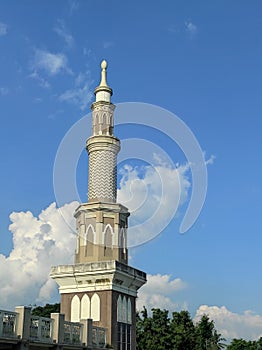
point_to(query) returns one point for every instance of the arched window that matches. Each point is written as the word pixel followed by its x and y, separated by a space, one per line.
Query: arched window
pixel 123 242
pixel 75 309
pixel 96 124
pixel 108 235
pixel 85 307
pixel 129 311
pixel 101 119
pixel 89 241
pixel 124 310
pixel 95 307
pixel 119 309
pixel 104 119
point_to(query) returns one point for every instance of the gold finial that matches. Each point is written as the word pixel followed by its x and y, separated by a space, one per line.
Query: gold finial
pixel 103 73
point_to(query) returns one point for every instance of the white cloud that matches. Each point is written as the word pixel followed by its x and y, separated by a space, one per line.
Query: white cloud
pixel 73 6
pixel 233 325
pixel 153 198
pixel 210 160
pixel 50 63
pixel 3 29
pixel 81 94
pixel 159 292
pixel 42 82
pixel 38 243
pixel 191 27
pixel 61 30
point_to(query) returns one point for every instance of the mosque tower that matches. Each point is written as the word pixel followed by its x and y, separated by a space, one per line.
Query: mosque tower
pixel 100 284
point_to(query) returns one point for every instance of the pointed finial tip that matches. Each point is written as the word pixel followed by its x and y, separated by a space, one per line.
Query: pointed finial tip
pixel 103 64
pixel 103 85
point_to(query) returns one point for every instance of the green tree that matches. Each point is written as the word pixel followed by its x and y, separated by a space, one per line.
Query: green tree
pixel 45 311
pixel 241 344
pixel 259 344
pixel 153 333
pixel 207 336
pixel 218 341
pixel 158 332
pixel 182 330
pixel 143 329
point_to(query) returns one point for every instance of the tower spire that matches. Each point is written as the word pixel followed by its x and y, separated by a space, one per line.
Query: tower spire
pixel 103 92
pixel 102 146
pixel 103 73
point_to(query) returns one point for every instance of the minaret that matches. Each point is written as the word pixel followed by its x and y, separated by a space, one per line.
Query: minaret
pixel 102 146
pixel 101 222
pixel 101 285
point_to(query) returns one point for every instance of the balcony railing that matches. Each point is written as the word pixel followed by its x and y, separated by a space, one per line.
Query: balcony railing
pixel 41 329
pixel 98 337
pixel 22 325
pixel 73 332
pixel 8 322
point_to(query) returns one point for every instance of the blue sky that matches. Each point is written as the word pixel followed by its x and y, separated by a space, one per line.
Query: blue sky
pixel 201 60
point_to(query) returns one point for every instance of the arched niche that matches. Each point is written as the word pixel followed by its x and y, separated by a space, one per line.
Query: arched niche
pixel 95 307
pixel 75 309
pixel 108 240
pixel 85 307
pixel 89 240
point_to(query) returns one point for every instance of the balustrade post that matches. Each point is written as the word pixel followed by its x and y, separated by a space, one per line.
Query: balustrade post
pixel 1 322
pixel 23 324
pixel 58 328
pixel 87 331
pixel 39 329
pixel 90 333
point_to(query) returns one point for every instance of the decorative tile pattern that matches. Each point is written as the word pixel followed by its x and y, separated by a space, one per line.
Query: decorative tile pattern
pixel 102 176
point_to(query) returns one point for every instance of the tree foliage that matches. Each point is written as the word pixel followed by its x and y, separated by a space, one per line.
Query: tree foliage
pixel 159 332
pixel 45 311
pixel 241 344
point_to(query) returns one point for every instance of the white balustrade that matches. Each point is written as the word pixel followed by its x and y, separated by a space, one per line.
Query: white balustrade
pixel 41 329
pixel 8 321
pixel 23 325
pixel 73 332
pixel 98 337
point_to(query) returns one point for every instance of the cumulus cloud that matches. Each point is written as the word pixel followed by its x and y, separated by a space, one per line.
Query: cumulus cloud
pixel 247 325
pixel 63 32
pixel 81 94
pixel 191 27
pixel 50 63
pixel 3 29
pixel 38 243
pixel 159 292
pixel 153 195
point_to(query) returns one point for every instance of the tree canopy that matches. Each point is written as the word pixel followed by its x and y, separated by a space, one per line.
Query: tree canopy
pixel 45 311
pixel 241 344
pixel 159 332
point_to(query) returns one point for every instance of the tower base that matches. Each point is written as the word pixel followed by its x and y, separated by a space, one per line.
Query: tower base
pixel 104 291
